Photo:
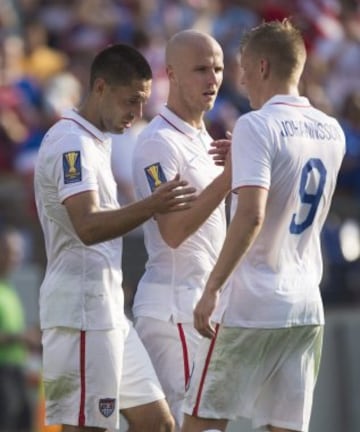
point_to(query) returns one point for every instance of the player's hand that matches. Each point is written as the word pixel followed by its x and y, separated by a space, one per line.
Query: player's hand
pixel 32 339
pixel 227 173
pixel 220 149
pixel 174 195
pixel 203 312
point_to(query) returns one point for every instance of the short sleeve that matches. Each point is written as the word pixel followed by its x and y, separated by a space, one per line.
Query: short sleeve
pixel 251 153
pixel 155 161
pixel 75 166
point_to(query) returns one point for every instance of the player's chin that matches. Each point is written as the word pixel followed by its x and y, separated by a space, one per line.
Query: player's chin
pixel 118 130
pixel 209 105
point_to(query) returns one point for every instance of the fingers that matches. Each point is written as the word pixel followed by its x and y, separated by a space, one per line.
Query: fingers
pixel 203 326
pixel 219 162
pixel 182 195
pixel 182 202
pixel 220 144
pixel 220 147
pixel 208 331
pixel 202 314
pixel 219 152
pixel 218 156
pixel 223 150
pixel 174 195
pixel 177 188
pixel 183 191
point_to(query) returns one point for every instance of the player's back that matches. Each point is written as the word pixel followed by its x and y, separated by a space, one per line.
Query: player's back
pixel 308 147
pixel 295 151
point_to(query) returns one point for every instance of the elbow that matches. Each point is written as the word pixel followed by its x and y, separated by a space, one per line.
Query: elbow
pixel 251 219
pixel 173 242
pixel 87 240
pixel 173 239
pixel 257 221
pixel 87 236
pixel 175 231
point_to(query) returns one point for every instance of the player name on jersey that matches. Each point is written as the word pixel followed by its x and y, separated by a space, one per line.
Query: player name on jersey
pixel 309 129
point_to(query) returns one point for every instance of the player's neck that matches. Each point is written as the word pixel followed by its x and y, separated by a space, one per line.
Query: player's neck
pixel 87 113
pixel 275 90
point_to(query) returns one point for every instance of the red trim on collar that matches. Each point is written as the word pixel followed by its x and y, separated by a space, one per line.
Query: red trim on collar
pixel 81 125
pixel 290 104
pixel 175 127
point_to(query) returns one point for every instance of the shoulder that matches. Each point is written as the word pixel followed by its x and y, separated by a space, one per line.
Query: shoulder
pixel 255 121
pixel 158 136
pixel 64 135
pixel 159 129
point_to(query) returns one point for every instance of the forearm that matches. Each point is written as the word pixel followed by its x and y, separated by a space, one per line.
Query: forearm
pixel 176 228
pixel 10 338
pixel 94 224
pixel 241 234
pixel 102 225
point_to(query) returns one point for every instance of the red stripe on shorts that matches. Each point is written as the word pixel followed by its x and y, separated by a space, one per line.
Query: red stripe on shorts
pixel 82 378
pixel 203 376
pixel 185 354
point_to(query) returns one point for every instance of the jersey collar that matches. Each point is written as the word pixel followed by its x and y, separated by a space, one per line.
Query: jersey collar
pixel 290 100
pixel 180 125
pixel 73 115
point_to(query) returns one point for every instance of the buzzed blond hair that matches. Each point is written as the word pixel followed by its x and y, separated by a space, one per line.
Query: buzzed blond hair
pixel 281 43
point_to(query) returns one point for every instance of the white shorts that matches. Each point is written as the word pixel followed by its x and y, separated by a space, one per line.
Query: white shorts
pixel 139 383
pixel 267 375
pixel 81 374
pixel 171 348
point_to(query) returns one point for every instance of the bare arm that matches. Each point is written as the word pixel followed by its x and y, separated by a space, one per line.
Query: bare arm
pixel 94 225
pixel 242 232
pixel 30 338
pixel 176 228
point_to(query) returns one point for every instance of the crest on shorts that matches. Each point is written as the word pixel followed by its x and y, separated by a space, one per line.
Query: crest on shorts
pixel 155 175
pixel 72 167
pixel 107 406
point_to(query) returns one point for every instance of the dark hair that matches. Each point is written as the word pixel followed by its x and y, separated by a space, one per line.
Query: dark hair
pixel 119 65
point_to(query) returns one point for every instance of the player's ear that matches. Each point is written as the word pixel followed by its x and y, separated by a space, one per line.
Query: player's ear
pixel 171 74
pixel 99 85
pixel 264 68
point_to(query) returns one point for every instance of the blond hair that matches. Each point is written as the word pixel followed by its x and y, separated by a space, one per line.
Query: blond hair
pixel 279 42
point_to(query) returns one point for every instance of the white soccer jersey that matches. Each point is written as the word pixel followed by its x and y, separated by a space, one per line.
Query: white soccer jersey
pixel 295 151
pixel 174 278
pixel 82 285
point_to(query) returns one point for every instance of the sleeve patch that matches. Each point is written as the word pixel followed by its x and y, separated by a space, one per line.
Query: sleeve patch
pixel 155 175
pixel 72 167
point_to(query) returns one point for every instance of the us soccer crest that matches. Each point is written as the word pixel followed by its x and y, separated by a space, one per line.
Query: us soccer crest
pixel 72 167
pixel 155 175
pixel 107 406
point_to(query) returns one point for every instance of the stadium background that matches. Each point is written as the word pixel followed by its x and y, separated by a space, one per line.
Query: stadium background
pixel 46 47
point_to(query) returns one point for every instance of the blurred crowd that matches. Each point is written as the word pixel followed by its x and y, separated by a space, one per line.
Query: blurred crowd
pixel 47 46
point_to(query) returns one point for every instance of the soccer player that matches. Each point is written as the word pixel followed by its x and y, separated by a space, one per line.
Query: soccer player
pixel 81 298
pixel 181 250
pixel 261 354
